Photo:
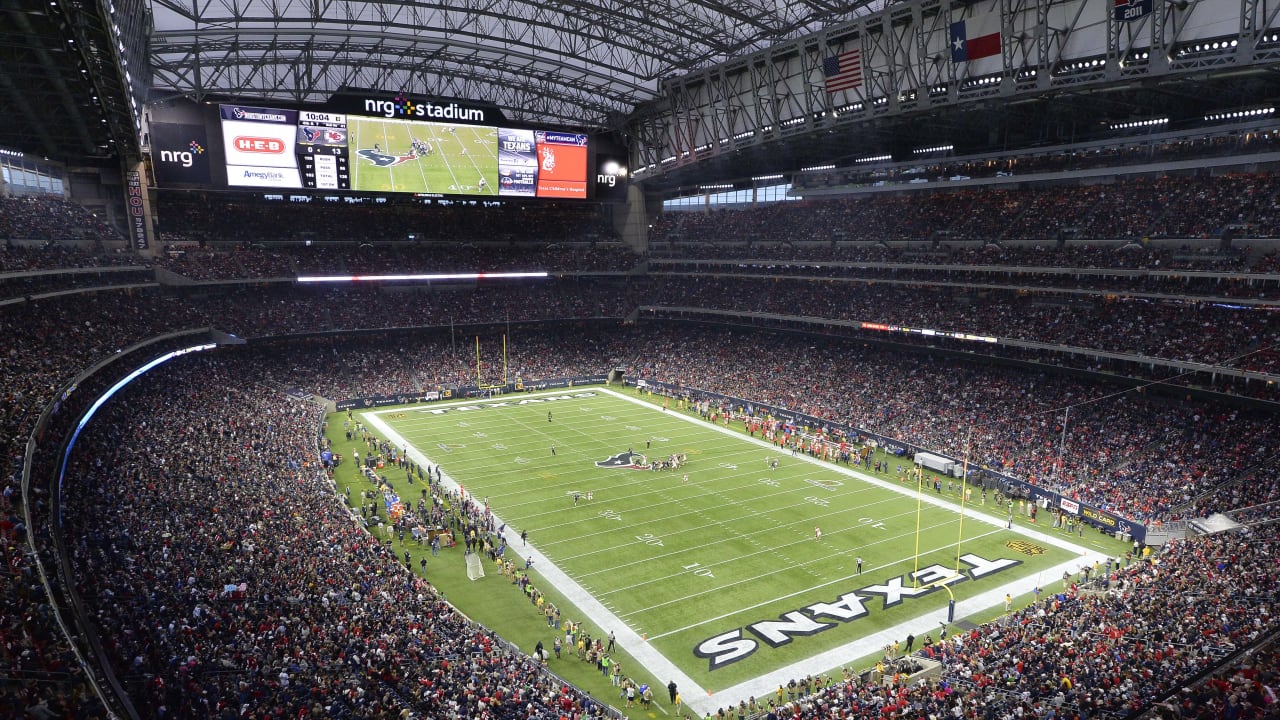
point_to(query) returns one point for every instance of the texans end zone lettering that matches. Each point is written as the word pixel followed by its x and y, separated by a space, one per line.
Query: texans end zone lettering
pixel 734 645
pixel 507 403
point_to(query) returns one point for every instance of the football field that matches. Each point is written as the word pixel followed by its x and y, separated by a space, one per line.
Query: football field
pixel 400 156
pixel 727 574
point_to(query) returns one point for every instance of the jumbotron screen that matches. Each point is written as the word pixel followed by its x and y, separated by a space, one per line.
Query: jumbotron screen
pixel 385 150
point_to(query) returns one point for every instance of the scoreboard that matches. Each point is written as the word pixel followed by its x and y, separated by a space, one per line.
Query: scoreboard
pixel 276 148
pixel 378 147
pixel 322 150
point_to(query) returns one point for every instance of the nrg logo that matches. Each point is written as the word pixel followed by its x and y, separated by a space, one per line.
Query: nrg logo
pixel 186 157
pixel 611 173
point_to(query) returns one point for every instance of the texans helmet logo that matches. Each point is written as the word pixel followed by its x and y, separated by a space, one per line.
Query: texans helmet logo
pixel 628 459
pixel 381 159
pixel 322 136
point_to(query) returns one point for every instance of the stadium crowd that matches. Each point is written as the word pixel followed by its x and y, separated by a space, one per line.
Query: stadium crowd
pixel 1172 206
pixel 1077 254
pixel 51 218
pixel 262 596
pixel 1087 654
pixel 1131 151
pixel 1171 330
pixel 1141 456
pixel 216 217
pixel 1075 281
pixel 264 591
pixel 1125 452
pixel 232 263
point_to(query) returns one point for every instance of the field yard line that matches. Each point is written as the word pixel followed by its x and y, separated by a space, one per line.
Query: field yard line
pixel 469 156
pixel 443 158
pixel 426 186
pixel 639 648
pixel 645 479
pixel 353 159
pixel 765 684
pixel 971 512
pixel 722 506
pixel 805 540
pixel 864 646
pixel 386 140
pixel 811 588
pixel 698 698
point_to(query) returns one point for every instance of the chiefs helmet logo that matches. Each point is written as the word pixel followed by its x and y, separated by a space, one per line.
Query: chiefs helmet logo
pixel 628 459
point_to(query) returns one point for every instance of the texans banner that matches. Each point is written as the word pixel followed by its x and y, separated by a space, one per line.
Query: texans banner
pixel 134 202
pixel 1127 10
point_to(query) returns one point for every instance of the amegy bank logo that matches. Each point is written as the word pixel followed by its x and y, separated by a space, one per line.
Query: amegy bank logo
pixel 730 647
pixel 262 176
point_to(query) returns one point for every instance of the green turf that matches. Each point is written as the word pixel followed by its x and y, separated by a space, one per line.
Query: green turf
pixel 681 562
pixel 460 155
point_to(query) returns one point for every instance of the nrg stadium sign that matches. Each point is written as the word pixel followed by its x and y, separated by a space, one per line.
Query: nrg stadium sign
pixel 402 106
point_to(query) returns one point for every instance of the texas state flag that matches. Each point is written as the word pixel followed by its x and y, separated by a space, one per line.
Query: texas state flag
pixel 976 37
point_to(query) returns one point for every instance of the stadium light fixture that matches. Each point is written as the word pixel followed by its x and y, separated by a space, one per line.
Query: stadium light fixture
pixel 1240 114
pixel 759 178
pixel 817 168
pixel 874 158
pixel 934 149
pixel 1134 124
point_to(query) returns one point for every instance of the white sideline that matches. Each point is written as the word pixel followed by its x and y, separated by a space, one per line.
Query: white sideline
pixel 703 700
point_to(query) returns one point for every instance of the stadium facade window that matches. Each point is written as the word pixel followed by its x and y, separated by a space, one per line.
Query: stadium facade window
pixel 26 177
pixel 731 198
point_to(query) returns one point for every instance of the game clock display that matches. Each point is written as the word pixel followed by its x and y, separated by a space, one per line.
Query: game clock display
pixel 322 151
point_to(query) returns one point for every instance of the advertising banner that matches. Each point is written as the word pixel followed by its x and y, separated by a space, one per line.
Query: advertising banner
pixel 179 154
pixel 135 205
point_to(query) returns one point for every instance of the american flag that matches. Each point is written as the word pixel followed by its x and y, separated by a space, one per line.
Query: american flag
pixel 843 71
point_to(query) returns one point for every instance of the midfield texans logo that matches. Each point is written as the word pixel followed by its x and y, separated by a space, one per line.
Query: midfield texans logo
pixel 628 459
pixel 381 159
